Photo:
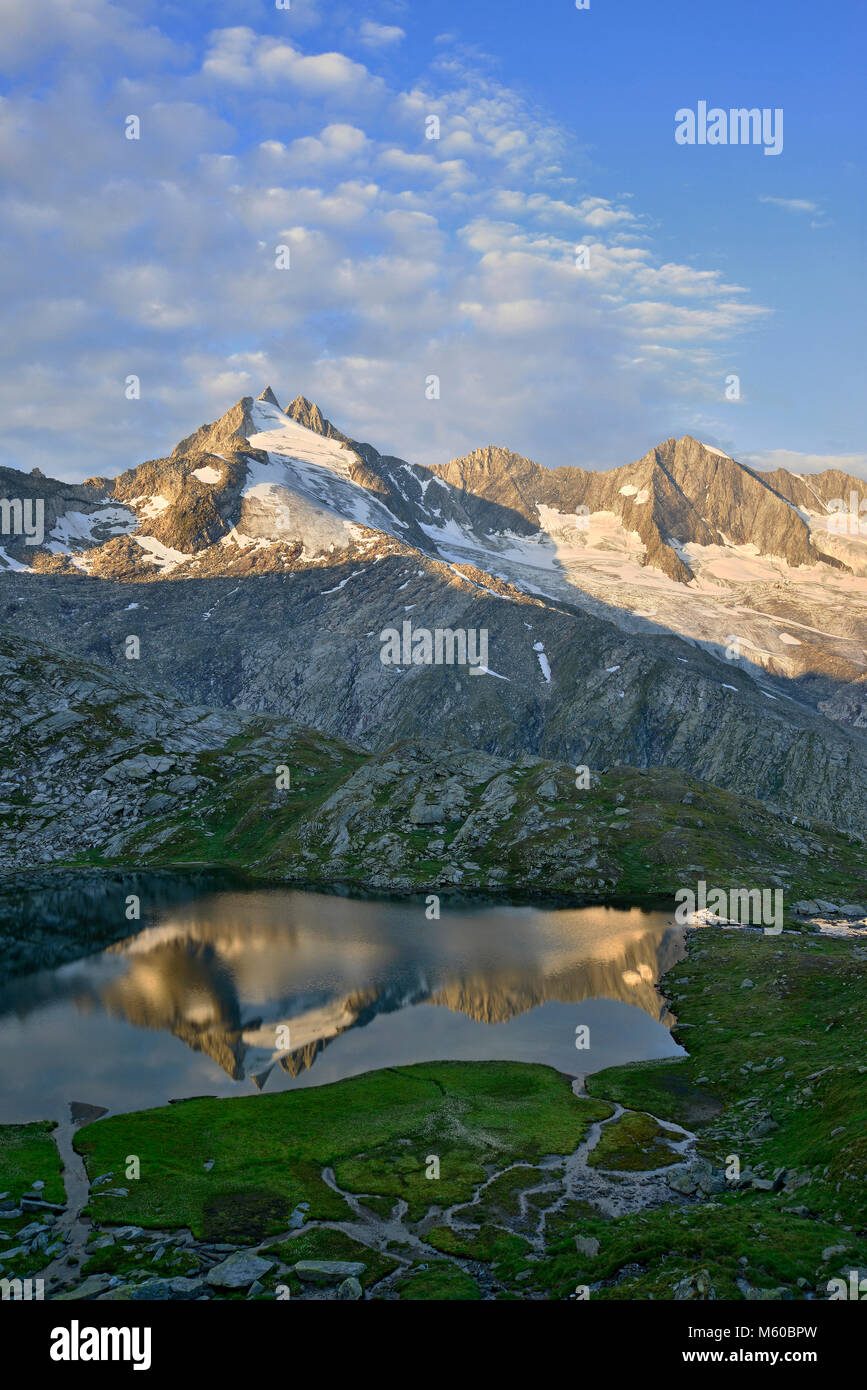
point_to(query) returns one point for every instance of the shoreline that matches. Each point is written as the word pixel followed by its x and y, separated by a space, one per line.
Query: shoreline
pixel 730 1093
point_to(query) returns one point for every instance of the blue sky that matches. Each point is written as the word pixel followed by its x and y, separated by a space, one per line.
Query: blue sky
pixel 411 257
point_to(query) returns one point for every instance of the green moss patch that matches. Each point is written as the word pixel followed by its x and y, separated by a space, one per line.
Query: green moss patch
pixel 377 1132
pixel 503 1250
pixel 28 1154
pixel 438 1281
pixel 633 1143
pixel 328 1244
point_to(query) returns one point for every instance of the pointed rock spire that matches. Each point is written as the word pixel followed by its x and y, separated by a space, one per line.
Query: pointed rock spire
pixel 307 413
pixel 268 395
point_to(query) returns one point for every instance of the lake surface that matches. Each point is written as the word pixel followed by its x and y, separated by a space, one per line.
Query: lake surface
pixel 238 991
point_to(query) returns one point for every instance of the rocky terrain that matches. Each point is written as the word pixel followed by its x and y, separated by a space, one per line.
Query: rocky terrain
pixel 562 684
pixel 765 571
pixel 256 570
pixel 681 492
pixel 99 771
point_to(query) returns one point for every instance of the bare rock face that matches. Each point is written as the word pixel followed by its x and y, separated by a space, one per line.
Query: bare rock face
pixel 308 415
pixel 225 435
pixel 681 492
pixel 279 562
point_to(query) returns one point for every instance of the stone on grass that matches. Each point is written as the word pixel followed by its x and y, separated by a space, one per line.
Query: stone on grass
pixel 184 1286
pixel 328 1271
pixel 831 1250
pixel 766 1124
pixel 91 1288
pixel 694 1286
pixel 239 1271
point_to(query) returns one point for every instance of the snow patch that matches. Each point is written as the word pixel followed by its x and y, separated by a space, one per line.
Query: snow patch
pixel 84 526
pixel 207 474
pixel 545 664
pixel 11 564
pixel 161 555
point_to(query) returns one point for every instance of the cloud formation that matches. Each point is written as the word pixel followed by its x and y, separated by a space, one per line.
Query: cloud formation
pixel 481 256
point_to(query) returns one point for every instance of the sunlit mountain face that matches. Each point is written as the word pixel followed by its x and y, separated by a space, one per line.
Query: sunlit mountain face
pixel 274 988
pixel 269 556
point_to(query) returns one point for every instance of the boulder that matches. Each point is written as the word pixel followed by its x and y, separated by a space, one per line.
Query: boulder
pixel 328 1271
pixel 239 1271
pixel 697 1177
pixel 694 1286
pixel 422 814
pixel 765 1125
pixel 91 1288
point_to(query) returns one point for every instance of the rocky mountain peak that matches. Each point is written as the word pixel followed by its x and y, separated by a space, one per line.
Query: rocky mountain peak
pixel 308 414
pixel 225 435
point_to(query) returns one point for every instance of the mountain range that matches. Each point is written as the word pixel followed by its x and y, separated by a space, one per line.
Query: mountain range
pixel 684 611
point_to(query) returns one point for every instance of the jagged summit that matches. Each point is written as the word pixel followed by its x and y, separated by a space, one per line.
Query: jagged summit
pixel 685 538
pixel 682 542
pixel 679 494
pixel 308 414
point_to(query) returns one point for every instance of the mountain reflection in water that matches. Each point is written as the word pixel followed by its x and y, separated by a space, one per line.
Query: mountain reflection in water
pixel 279 988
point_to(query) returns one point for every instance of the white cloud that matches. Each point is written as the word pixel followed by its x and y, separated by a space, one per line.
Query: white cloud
pixel 380 35
pixel 791 204
pixel 242 58
pixel 409 257
pixel 33 31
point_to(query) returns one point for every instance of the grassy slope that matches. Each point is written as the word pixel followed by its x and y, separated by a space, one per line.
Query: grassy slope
pixel 789 1046
pixel 28 1155
pixel 375 1131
